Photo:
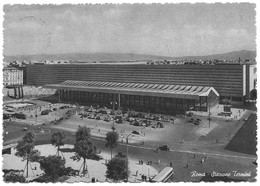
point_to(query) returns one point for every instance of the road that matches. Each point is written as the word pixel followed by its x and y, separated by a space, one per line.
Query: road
pixel 180 155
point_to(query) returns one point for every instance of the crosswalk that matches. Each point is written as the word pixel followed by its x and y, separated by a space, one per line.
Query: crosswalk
pixel 204 129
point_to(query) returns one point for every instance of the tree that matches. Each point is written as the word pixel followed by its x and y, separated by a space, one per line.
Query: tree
pixel 117 169
pixel 84 149
pixel 25 150
pixel 58 139
pixel 83 133
pixel 14 177
pixel 52 165
pixel 111 138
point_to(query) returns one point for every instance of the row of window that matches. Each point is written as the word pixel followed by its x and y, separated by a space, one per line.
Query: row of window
pixel 134 100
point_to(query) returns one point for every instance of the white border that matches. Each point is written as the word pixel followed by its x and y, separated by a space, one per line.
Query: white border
pixel 2 2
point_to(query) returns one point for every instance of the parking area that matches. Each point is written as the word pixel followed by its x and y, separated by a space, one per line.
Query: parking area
pixel 151 130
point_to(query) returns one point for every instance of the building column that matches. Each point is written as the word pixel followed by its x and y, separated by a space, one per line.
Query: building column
pixel 200 103
pixel 15 93
pixel 22 91
pixel 119 100
pixel 18 92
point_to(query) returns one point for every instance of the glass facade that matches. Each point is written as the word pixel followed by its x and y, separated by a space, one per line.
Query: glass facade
pixel 163 105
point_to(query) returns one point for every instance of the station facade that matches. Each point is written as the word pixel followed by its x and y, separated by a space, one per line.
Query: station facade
pixel 154 98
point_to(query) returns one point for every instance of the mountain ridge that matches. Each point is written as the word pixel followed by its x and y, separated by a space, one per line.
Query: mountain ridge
pixel 234 55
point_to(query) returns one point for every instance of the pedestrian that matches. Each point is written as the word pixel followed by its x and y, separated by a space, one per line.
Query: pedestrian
pixel 187 165
pixel 194 155
pixel 159 161
pixel 202 161
pixel 136 173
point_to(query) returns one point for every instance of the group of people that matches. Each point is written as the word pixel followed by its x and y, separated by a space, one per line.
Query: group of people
pixel 141 162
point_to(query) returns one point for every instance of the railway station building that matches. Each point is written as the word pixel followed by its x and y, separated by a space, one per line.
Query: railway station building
pixel 155 98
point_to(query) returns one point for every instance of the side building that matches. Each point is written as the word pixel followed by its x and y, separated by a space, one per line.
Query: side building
pixel 12 76
pixel 233 82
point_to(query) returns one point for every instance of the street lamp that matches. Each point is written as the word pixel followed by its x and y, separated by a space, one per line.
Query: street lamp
pixel 36 114
pixel 127 154
pixel 209 109
pixel 113 103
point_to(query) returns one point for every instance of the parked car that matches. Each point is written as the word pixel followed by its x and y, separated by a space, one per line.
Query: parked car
pixel 19 115
pixel 195 122
pixel 107 119
pixel 45 112
pixel 98 117
pixel 6 116
pixel 191 120
pixel 25 128
pixel 164 148
pixel 119 119
pixel 120 155
pixel 160 125
pixel 64 107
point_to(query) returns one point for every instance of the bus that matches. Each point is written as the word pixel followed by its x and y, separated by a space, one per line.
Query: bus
pixel 163 175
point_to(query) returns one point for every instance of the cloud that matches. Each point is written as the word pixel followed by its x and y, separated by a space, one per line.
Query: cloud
pixel 114 13
pixel 236 33
pixel 23 26
pixel 58 28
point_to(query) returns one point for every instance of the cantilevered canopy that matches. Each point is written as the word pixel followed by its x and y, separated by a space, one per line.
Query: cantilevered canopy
pixel 159 90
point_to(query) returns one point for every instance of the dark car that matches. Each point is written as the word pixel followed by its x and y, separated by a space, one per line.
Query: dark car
pixel 196 122
pixel 64 107
pixel 191 120
pixel 45 112
pixel 164 148
pixel 19 115
pixel 6 116
pixel 107 119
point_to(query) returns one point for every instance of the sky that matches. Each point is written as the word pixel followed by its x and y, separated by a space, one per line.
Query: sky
pixel 157 29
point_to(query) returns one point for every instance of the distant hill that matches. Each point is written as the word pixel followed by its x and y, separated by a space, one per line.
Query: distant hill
pixel 87 57
pixel 243 54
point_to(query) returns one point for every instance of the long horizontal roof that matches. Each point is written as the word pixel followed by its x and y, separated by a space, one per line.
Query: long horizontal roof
pixel 160 90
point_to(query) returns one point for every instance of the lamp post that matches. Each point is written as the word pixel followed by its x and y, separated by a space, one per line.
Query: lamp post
pixel 209 116
pixel 113 103
pixel 127 154
pixel 36 114
pixel 59 96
